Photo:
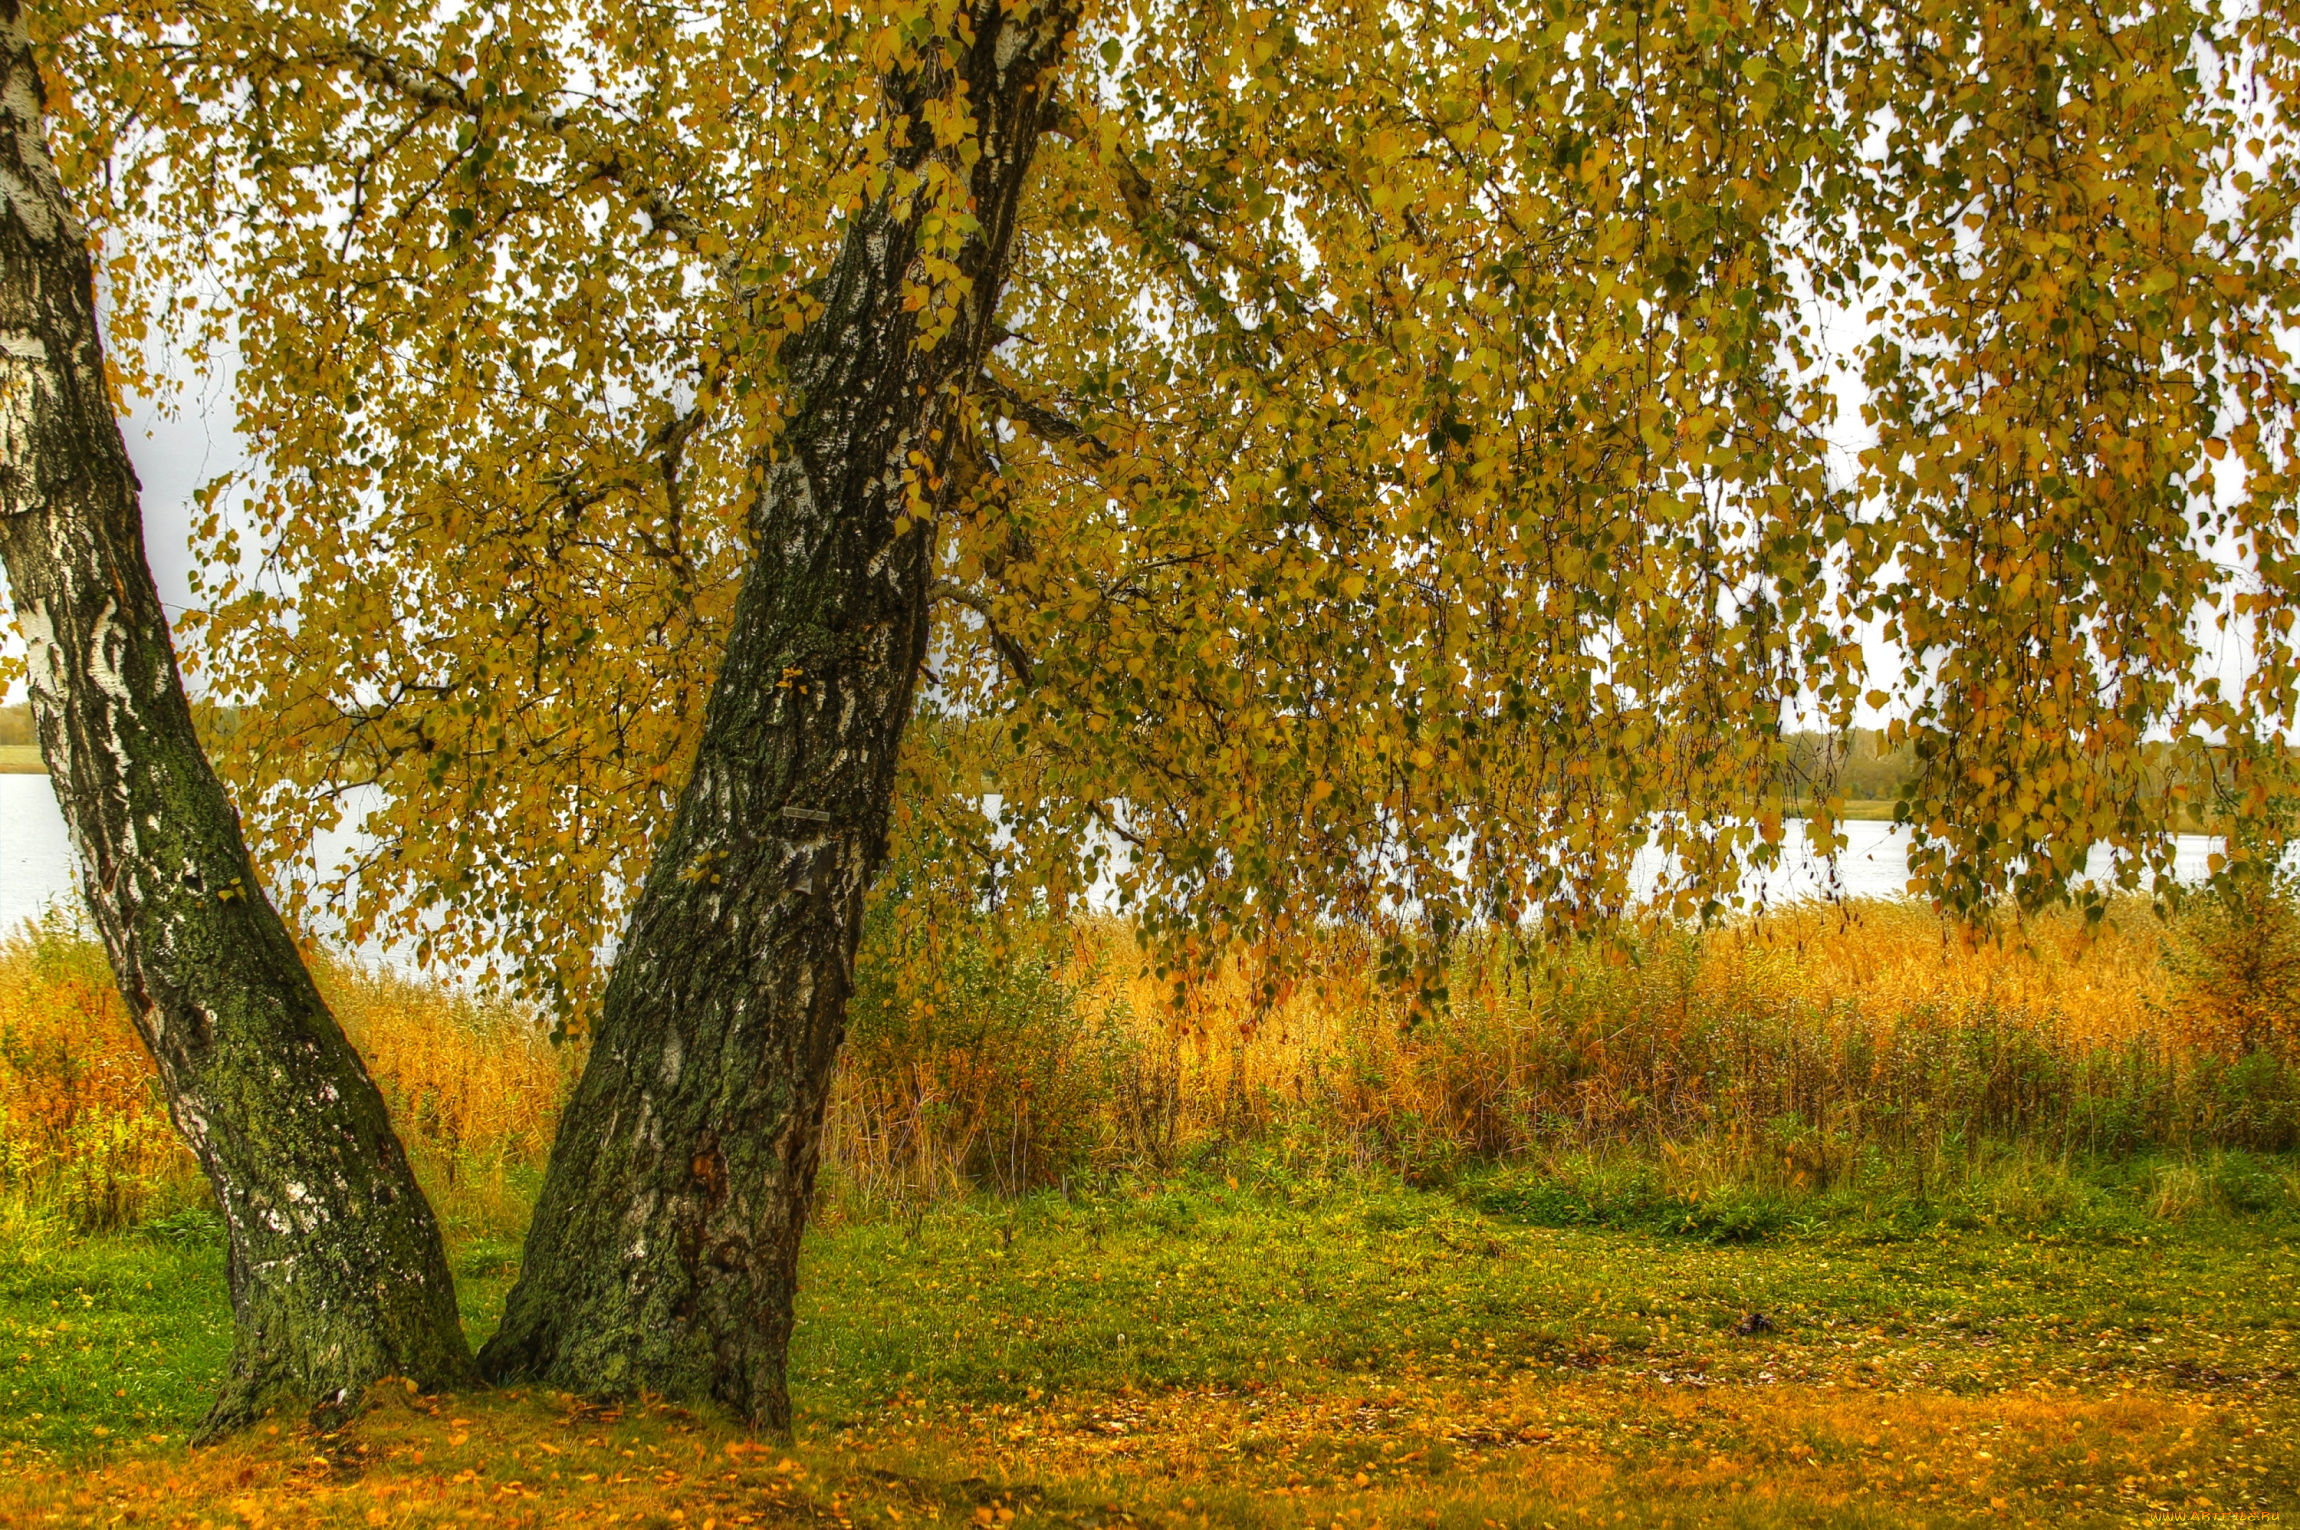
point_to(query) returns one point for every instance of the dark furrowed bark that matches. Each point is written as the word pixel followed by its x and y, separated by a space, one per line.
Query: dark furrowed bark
pixel 664 1251
pixel 336 1268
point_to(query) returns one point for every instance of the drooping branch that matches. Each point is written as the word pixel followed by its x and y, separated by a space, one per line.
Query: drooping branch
pixel 1165 234
pixel 595 157
pixel 1016 656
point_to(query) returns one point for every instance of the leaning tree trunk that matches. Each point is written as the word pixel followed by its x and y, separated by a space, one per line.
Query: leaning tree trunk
pixel 664 1251
pixel 336 1269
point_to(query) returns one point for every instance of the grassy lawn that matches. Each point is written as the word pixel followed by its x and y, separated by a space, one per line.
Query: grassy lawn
pixel 1271 1354
pixel 21 759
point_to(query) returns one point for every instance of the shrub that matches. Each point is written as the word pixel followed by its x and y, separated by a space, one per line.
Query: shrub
pixel 2235 964
pixel 969 1062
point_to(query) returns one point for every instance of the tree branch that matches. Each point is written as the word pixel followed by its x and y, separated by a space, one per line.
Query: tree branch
pixel 1045 422
pixel 1163 231
pixel 599 159
pixel 1017 661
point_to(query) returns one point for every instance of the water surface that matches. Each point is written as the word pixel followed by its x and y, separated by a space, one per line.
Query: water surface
pixel 36 858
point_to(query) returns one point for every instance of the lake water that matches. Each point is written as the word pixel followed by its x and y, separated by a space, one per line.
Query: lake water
pixel 36 863
pixel 36 858
pixel 1875 864
pixel 35 855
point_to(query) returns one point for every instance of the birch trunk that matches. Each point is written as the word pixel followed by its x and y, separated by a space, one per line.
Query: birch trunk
pixel 336 1269
pixel 664 1251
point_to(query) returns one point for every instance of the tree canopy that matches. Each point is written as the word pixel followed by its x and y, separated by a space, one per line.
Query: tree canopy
pixel 1408 473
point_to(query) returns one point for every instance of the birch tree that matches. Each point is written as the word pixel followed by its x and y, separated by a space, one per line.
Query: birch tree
pixel 1323 462
pixel 336 1269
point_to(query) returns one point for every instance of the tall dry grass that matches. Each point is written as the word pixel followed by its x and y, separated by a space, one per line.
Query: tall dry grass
pixel 83 1131
pixel 1801 1050
pixel 474 1089
pixel 1815 1048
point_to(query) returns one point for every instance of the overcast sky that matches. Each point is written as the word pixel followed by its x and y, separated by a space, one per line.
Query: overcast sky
pixel 173 458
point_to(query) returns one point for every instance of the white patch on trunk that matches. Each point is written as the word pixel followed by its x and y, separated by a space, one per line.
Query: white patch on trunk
pixel 674 1056
pixel 107 645
pixel 642 1211
pixel 20 380
pixel 24 200
pixel 1011 42
pixel 44 660
pixel 44 663
pixel 40 204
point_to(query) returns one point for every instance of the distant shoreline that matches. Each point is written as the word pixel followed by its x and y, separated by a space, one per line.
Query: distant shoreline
pixel 1855 812
pixel 24 760
pixel 1882 812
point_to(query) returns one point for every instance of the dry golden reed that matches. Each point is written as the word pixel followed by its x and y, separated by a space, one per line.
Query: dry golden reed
pixel 1800 1049
pixel 2109 987
pixel 1889 964
pixel 474 1088
pixel 83 1131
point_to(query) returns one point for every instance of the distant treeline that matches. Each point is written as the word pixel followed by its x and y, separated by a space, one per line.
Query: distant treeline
pixel 215 723
pixel 1866 770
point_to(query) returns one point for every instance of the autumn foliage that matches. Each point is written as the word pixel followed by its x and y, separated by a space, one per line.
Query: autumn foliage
pixel 1413 440
pixel 84 1131
pixel 1445 1455
pixel 83 1128
pixel 1820 1047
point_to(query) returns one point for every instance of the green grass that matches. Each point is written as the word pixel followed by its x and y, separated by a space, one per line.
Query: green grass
pixel 111 1341
pixel 2112 1200
pixel 114 1340
pixel 1234 1346
pixel 1200 1284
